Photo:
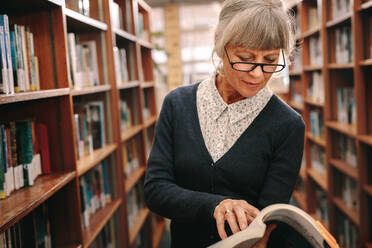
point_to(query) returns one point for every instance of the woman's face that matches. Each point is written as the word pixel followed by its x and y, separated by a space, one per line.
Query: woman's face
pixel 247 84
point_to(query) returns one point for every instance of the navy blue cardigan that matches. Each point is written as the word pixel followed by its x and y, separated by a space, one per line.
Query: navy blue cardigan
pixel 183 184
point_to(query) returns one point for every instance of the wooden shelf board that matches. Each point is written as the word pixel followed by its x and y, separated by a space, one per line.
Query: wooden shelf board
pixel 133 178
pixel 124 34
pixel 82 22
pixel 367 139
pixel 86 163
pixel 144 5
pixel 325 224
pixel 300 199
pixel 150 121
pixel 295 73
pixel 158 233
pixel 353 215
pixel 319 141
pixel 345 168
pixel 365 6
pixel 145 43
pixel 147 84
pixel 310 32
pixel 23 201
pixel 312 67
pixel 347 129
pixel 140 220
pixel 98 221
pixel 91 90
pixel 296 105
pixel 338 20
pixel 319 178
pixel 366 62
pixel 303 173
pixel 368 189
pixel 312 102
pixel 340 66
pixel 130 132
pixel 33 95
pixel 128 85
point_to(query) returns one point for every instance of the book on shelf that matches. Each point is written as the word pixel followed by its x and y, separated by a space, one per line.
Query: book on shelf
pixel 296 59
pixel 347 232
pixel 347 150
pixel 349 192
pixel 125 114
pixel 128 16
pixel 20 70
pixel 318 161
pixel 316 87
pixel 294 226
pixel 146 108
pixel 106 237
pixel 322 205
pixel 340 7
pixel 121 66
pixel 343 44
pixel 32 231
pixel 116 15
pixel 313 18
pixel 95 191
pixel 81 6
pixel 346 108
pixel 135 203
pixel 296 91
pixel 131 161
pixel 315 51
pixel 83 62
pixel 141 31
pixel 317 123
pixel 89 126
pixel 24 151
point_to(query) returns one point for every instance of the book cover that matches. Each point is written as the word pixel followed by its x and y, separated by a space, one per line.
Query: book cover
pixel 4 84
pixel 4 21
pixel 299 229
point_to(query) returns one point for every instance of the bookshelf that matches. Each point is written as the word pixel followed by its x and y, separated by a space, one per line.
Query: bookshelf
pixel 85 90
pixel 329 77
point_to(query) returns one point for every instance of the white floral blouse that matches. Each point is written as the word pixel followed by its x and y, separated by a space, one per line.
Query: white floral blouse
pixel 221 123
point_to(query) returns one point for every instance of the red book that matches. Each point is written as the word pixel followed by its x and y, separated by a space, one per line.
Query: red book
pixel 43 143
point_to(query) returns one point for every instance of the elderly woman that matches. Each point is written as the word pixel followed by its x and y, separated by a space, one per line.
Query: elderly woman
pixel 227 147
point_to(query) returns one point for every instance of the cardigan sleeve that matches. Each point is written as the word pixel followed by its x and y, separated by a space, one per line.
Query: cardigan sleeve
pixel 162 194
pixel 284 166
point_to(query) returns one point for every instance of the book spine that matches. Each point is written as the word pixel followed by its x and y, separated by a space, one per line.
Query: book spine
pixel 3 64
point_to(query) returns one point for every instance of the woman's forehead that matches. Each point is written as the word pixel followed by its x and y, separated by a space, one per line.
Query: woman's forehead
pixel 254 51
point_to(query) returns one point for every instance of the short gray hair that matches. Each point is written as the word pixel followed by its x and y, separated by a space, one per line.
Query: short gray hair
pixel 255 24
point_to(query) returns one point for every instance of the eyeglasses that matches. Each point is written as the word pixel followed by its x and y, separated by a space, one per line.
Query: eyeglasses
pixel 247 66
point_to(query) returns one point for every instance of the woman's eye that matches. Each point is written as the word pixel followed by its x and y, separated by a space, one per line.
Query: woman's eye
pixel 244 58
pixel 270 61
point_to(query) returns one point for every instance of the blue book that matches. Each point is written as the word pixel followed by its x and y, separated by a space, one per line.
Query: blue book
pixel 106 180
pixel 13 50
pixel 4 22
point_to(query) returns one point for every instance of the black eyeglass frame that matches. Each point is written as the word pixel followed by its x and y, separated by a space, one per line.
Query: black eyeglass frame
pixel 255 64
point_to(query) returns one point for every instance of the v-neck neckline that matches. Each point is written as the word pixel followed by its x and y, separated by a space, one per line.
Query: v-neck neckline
pixel 200 134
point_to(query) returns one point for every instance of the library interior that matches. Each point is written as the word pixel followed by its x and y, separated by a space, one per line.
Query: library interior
pixel 100 69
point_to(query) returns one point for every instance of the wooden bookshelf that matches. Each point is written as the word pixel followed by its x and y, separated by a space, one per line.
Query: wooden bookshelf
pixel 25 200
pixel 98 221
pixel 300 199
pixel 86 163
pixel 158 233
pixel 51 22
pixel 312 102
pixel 346 68
pixel 133 178
pixel 140 220
pixel 299 107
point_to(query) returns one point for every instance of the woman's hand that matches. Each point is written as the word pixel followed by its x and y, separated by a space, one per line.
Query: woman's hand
pixel 238 213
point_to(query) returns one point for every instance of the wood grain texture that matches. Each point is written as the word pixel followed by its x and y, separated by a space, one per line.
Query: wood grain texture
pixel 320 179
pixel 319 141
pixel 345 168
pixel 83 23
pixel 91 90
pixel 33 95
pixel 133 178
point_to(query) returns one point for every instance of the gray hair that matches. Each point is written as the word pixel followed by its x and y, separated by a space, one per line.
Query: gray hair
pixel 255 24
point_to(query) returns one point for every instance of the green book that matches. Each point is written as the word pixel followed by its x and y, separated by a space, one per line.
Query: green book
pixel 25 148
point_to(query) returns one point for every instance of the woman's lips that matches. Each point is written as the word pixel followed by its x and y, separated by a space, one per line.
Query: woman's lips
pixel 252 85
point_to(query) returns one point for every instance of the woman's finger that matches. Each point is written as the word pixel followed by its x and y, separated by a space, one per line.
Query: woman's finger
pixel 220 222
pixel 231 219
pixel 242 218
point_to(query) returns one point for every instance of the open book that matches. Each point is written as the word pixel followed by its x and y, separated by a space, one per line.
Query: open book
pixel 304 228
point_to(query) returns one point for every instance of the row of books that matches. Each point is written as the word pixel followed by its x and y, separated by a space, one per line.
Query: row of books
pixel 141 31
pixel 121 65
pixel 146 107
pixel 81 6
pixel 317 123
pixel 297 60
pixel 322 205
pixel 130 154
pixel 18 62
pixel 24 155
pixel 313 18
pixel 340 8
pixel 83 62
pixel 125 114
pixel 106 238
pixel 318 161
pixel 296 91
pixel 347 232
pixel 135 203
pixel 349 192
pixel 346 108
pixel 315 51
pixel 89 125
pixel 316 87
pixel 347 149
pixel 343 44
pixel 95 191
pixel 29 232
pixel 117 19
